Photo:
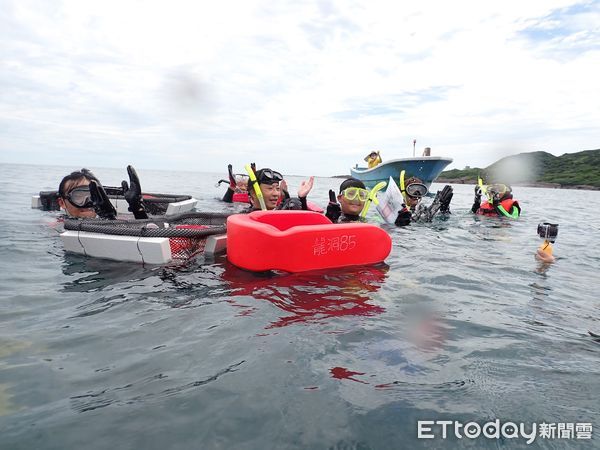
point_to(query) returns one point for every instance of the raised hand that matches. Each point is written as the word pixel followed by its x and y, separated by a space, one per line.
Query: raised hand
pixel 232 183
pixel 102 204
pixel 334 210
pixel 477 199
pixel 305 187
pixel 332 197
pixel 133 194
pixel 445 199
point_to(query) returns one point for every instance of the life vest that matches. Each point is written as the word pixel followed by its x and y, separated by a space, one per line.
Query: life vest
pixel 241 197
pixel 487 209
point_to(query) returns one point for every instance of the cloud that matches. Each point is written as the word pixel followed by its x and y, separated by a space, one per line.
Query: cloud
pixel 306 87
pixel 398 104
pixel 565 33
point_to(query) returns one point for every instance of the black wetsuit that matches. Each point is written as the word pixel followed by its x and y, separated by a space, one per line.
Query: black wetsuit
pixel 422 213
pixel 228 197
pixel 345 218
pixel 334 213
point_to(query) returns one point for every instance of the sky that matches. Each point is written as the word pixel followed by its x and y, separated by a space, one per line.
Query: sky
pixel 304 87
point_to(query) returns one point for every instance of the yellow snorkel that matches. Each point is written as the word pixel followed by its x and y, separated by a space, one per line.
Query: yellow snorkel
pixel 481 185
pixel 402 187
pixel 372 198
pixel 257 191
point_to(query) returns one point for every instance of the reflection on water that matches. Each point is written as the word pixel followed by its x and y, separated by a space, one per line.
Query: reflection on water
pixel 85 274
pixel 341 373
pixel 314 296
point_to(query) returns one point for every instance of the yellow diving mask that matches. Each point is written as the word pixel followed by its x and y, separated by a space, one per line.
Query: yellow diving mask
pixel 352 193
pixel 497 191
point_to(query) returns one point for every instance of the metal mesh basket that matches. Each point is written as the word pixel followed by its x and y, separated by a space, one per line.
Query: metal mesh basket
pixel 187 232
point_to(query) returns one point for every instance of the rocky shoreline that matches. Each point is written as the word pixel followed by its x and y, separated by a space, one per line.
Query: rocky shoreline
pixel 467 180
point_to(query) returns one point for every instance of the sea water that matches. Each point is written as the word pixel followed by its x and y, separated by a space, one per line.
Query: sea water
pixel 460 323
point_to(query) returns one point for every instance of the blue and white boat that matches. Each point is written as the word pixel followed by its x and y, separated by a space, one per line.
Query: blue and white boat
pixel 427 168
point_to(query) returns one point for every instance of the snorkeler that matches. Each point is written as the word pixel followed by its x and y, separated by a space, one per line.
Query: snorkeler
pixel 237 189
pixel 74 194
pixel 373 159
pixel 352 197
pixel 267 191
pixel 413 210
pixel 499 201
pixel 82 196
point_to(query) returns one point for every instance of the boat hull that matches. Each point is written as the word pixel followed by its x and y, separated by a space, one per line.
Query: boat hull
pixel 426 168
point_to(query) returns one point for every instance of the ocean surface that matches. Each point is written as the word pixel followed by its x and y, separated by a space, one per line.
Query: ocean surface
pixel 461 323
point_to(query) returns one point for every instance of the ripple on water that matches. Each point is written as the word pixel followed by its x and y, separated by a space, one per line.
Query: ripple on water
pixel 460 322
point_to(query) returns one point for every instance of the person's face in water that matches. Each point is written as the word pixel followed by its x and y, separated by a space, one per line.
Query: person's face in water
pixel 71 209
pixel 270 192
pixel 351 207
pixel 242 184
pixel 412 202
pixel 497 192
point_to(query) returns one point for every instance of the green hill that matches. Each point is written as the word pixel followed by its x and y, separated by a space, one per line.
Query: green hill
pixel 570 169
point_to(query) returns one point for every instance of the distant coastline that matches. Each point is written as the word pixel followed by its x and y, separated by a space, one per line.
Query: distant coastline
pixel 524 184
pixel 580 170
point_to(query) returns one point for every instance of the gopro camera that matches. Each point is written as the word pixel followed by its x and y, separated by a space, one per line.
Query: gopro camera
pixel 548 231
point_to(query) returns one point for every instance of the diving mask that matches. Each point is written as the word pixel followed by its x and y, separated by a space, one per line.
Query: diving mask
pixel 268 176
pixel 416 190
pixel 80 197
pixel 241 179
pixel 352 193
pixel 497 191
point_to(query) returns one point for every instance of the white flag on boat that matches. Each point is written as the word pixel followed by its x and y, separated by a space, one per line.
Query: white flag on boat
pixel 391 202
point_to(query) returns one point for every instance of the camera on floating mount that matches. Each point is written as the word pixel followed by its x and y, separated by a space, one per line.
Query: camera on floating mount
pixel 548 231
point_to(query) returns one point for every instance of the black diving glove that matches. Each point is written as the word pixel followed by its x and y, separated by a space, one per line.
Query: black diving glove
pixel 133 194
pixel 441 202
pixel 445 199
pixel 404 217
pixel 102 205
pixel 477 199
pixel 334 210
pixel 292 204
pixel 232 182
